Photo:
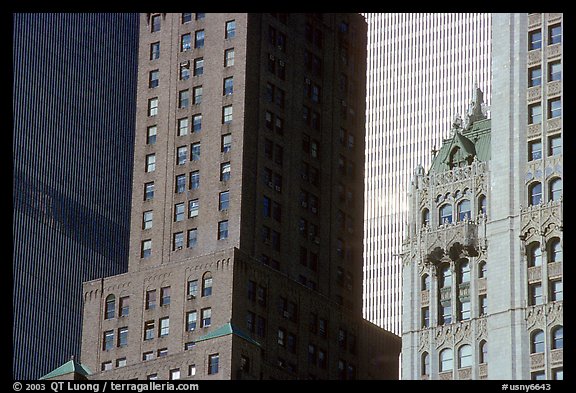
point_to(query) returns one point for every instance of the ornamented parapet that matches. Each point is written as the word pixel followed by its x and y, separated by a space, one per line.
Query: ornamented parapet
pixel 541 220
pixel 544 315
pixel 453 239
pixel 476 170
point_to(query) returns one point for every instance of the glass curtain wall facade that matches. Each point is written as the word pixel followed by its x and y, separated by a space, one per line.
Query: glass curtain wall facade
pixel 421 73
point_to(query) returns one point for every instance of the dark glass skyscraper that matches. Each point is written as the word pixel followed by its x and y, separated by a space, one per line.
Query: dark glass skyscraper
pixel 74 96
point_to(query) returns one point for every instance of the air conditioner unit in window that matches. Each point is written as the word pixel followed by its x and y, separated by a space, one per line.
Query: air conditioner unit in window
pixel 278 188
pixel 270 184
pixel 190 297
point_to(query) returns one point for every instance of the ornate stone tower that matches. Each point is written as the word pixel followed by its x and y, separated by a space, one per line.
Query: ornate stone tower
pixel 482 262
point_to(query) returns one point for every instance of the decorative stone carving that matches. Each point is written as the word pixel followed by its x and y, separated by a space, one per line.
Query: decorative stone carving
pixel 483 370
pixel 534 130
pixel 443 334
pixel 537 360
pixel 534 94
pixel 535 317
pixel 554 88
pixel 554 50
pixel 555 269
pixel 425 298
pixel 423 340
pixel 534 57
pixel 555 313
pixel 445 376
pixel 481 284
pixel 554 124
pixel 480 328
pixel 534 20
pixel 465 373
pixel 556 356
pixel 462 332
pixel 534 274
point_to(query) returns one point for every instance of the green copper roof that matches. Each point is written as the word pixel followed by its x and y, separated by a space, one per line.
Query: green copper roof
pixel 69 367
pixel 471 142
pixel 225 330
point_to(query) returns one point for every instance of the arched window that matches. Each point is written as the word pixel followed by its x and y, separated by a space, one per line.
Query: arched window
pixel 445 276
pixel 555 189
pixel 535 194
pixel 482 269
pixel 481 204
pixel 534 254
pixel 464 271
pixel 425 217
pixel 537 341
pixel 558 337
pixel 465 356
pixel 425 364
pixel 554 250
pixel 425 282
pixel 446 360
pixel 446 214
pixel 110 307
pixel 483 351
pixel 464 210
pixel 207 284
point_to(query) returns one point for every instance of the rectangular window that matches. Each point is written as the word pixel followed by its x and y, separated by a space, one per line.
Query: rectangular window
pixel 197 95
pixel 199 39
pixel 151 135
pixel 250 321
pixel 193 208
pixel 152 377
pixel 154 50
pixel 227 114
pixel 534 40
pixel 183 99
pixel 192 237
pixel 228 86
pixel 223 230
pixel 124 306
pixel 180 184
pixel 556 290
pixel 181 155
pixel 153 79
pixel 164 327
pixel 153 106
pixel 225 171
pixel 148 356
pixel 122 337
pixel 198 66
pixel 197 122
pixel 200 15
pixel 121 362
pixel 183 126
pixel 425 317
pixel 554 145
pixel 465 310
pixel 194 180
pixel 108 341
pixel 554 34
pixel 175 374
pixel 554 108
pixel 191 320
pixel 151 299
pixel 224 200
pixel 193 288
pixel 185 70
pixel 444 314
pixel 164 296
pixel 226 143
pixel 535 114
pixel 185 42
pixel 482 305
pixel 206 316
pixel 146 249
pixel 162 352
pixel 155 25
pixel 150 162
pixel 186 17
pixel 534 150
pixel 229 57
pixel 195 156
pixel 148 330
pixel 554 71
pixel 230 29
pixel 535 294
pixel 147 217
pixel 534 76
pixel 213 364
pixel 179 212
